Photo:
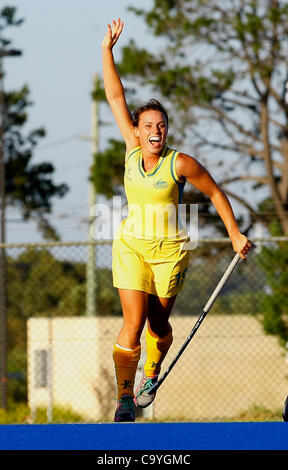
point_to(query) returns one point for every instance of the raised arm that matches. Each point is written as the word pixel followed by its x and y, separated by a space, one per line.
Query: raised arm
pixel 187 167
pixel 113 86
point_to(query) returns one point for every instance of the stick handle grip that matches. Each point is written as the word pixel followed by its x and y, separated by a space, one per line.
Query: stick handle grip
pixel 222 281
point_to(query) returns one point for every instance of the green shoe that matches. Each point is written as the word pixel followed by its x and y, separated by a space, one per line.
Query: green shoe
pixel 125 409
pixel 142 397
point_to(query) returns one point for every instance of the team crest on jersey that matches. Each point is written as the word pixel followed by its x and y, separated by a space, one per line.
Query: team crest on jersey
pixel 160 184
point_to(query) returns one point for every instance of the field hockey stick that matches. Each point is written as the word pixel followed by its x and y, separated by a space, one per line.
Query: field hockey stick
pixel 206 309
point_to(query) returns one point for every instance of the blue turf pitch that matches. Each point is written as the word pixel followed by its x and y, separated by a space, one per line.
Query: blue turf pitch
pixel 146 436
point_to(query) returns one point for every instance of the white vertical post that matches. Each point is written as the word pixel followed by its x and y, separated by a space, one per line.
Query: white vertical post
pixel 91 268
pixel 91 279
pixel 50 371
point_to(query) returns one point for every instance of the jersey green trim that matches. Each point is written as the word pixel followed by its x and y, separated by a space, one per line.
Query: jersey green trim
pixel 180 184
pixel 135 150
pixel 181 189
pixel 158 165
pixel 175 178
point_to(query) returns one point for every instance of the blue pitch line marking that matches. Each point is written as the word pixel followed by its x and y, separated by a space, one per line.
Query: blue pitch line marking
pixel 145 436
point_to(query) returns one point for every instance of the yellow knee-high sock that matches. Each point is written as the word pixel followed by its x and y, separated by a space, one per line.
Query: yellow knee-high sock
pixel 157 349
pixel 126 362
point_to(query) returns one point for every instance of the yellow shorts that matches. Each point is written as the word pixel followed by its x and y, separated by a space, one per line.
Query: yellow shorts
pixel 157 266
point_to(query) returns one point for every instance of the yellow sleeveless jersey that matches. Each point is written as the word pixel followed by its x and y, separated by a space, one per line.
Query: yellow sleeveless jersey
pixel 153 197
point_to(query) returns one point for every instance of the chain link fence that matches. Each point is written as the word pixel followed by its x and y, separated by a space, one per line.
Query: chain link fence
pixel 60 318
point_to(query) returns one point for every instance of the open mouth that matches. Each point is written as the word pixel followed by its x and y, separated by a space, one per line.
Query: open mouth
pixel 155 141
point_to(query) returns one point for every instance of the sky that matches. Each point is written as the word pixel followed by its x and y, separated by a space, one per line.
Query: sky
pixel 61 52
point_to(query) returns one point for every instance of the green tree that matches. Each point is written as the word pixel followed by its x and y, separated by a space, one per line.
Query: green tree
pixel 221 73
pixel 28 186
pixel 220 67
pixel 108 169
pixel 39 284
pixel 274 261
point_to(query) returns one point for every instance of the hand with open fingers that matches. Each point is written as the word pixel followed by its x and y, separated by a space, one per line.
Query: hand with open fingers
pixel 113 33
pixel 241 245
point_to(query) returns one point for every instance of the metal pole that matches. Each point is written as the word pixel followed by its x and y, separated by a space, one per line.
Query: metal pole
pixel 50 360
pixel 3 298
pixel 91 275
pixel 3 316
